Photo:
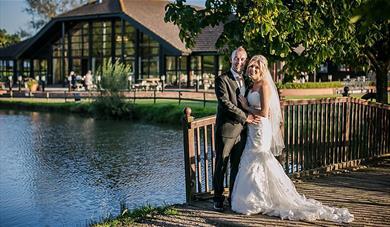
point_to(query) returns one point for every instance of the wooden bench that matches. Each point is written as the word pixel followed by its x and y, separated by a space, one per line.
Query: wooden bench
pixel 148 84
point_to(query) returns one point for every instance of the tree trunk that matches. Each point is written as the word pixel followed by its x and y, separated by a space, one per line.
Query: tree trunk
pixel 381 86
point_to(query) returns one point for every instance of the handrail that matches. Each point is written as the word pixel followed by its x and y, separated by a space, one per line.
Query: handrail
pixel 320 135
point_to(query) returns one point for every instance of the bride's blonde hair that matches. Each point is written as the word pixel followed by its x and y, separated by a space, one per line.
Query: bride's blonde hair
pixel 262 62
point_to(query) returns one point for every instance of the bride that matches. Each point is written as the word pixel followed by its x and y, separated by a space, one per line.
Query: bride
pixel 261 184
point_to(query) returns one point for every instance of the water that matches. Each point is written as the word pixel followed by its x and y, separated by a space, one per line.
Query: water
pixel 60 170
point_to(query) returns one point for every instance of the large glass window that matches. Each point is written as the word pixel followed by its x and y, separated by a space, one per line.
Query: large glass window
pixel 101 32
pixel 129 40
pixel 208 75
pixel 40 67
pixel 196 69
pixel 6 69
pixel 25 70
pixel 149 49
pixel 176 67
pixel 79 40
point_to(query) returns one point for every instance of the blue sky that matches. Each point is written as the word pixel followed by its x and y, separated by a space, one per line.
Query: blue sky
pixel 12 16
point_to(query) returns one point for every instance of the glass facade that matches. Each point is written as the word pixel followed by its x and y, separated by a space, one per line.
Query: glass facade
pixel 6 69
pixel 149 55
pixel 85 45
pixel 175 67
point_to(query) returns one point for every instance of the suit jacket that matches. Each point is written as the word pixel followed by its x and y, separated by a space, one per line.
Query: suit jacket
pixel 230 115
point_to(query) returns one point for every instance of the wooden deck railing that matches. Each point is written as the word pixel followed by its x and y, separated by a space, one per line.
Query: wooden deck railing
pixel 320 135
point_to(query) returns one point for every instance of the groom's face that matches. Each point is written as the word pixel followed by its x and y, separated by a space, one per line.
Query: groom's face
pixel 238 61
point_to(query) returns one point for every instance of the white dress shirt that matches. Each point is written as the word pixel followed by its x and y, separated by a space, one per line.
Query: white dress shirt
pixel 239 82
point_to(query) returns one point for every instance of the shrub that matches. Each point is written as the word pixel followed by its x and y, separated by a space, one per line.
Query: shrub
pixel 111 107
pixel 111 104
pixel 336 84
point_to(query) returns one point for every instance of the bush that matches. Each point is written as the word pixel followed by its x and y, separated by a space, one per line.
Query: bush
pixel 111 107
pixel 336 84
pixel 114 76
pixel 112 103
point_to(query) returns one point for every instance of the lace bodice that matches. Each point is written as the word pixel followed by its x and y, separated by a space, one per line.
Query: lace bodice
pixel 254 99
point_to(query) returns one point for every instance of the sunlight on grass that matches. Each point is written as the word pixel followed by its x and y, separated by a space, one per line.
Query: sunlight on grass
pixel 128 218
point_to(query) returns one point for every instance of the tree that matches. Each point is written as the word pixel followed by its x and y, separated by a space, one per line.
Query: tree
pixel 373 18
pixel 321 30
pixel 44 10
pixel 7 39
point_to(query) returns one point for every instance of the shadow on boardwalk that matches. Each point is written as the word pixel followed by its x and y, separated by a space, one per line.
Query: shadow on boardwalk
pixel 365 192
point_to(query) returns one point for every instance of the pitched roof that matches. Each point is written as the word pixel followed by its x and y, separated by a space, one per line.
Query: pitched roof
pixel 206 40
pixel 12 51
pixel 148 14
pixel 151 15
pixel 93 8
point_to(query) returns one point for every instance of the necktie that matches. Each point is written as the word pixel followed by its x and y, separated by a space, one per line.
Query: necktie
pixel 239 80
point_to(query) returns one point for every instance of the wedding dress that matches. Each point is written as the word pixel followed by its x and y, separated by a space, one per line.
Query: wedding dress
pixel 261 185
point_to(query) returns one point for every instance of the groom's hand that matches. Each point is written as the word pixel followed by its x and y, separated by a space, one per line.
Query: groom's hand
pixel 253 119
pixel 243 102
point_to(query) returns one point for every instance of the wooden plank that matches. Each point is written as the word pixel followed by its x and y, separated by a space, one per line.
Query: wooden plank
pixel 298 140
pixel 361 128
pixel 293 122
pixel 326 134
pixel 388 131
pixel 365 130
pixel 287 139
pixel 198 159
pixel 338 132
pixel 200 122
pixel 302 139
pixel 312 135
pixel 371 131
pixel 189 162
pixel 317 134
pixel 331 133
pixel 206 159
pixel 213 151
pixel 374 131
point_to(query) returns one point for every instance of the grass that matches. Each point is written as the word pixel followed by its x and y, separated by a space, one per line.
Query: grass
pixel 128 218
pixel 163 111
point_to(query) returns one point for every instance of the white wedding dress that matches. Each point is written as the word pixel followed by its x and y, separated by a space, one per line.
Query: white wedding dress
pixel 261 185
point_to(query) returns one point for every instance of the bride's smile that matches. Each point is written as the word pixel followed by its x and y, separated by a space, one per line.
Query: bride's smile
pixel 254 71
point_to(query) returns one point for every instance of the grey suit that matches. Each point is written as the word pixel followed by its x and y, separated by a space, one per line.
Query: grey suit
pixel 229 134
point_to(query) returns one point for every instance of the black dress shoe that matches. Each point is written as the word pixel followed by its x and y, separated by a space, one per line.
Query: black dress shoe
pixel 218 206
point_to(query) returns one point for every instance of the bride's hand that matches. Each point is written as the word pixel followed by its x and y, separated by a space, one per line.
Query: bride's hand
pixel 244 102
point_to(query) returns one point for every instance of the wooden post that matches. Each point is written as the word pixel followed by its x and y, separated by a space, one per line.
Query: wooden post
pixel 154 96
pixel 134 95
pixel 204 99
pixel 189 154
pixel 180 98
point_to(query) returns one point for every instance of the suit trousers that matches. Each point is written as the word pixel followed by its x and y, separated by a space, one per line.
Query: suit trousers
pixel 227 148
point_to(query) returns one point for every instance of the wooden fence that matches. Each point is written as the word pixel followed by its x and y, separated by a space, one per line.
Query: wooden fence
pixel 320 135
pixel 179 96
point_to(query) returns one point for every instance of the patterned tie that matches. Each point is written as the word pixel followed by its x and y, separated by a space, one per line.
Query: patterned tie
pixel 239 80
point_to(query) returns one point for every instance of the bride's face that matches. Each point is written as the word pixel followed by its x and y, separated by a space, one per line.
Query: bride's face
pixel 254 71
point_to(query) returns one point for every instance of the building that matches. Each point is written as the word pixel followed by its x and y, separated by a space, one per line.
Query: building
pixel 132 31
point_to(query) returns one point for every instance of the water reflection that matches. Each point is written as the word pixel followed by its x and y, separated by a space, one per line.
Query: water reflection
pixel 66 170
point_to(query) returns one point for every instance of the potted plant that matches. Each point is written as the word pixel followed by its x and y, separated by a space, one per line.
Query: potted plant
pixel 32 85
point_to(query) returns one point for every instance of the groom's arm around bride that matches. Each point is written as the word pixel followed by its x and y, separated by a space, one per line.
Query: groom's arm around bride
pixel 230 122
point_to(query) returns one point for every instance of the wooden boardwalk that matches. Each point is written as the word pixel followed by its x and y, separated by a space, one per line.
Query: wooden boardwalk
pixel 364 191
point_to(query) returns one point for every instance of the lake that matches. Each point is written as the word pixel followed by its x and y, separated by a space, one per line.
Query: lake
pixel 66 170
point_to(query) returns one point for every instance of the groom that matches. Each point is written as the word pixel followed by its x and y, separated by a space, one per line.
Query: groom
pixel 229 124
